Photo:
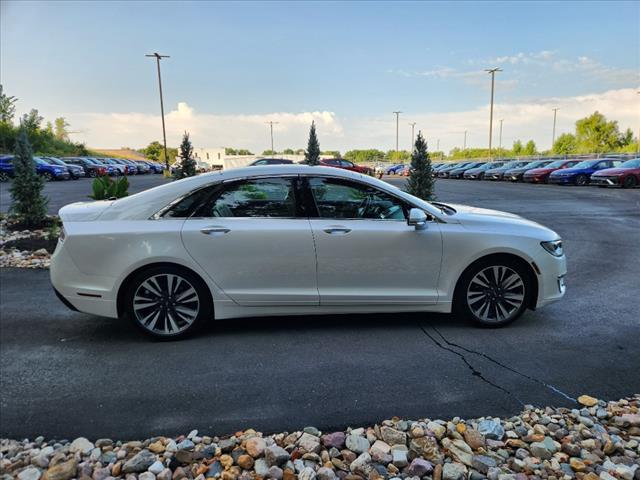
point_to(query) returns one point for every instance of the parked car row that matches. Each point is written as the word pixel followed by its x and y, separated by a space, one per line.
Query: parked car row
pixel 55 168
pixel 602 172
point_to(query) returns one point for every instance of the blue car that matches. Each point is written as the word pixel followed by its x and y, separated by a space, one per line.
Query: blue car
pixel 6 168
pixel 75 171
pixel 580 174
pixel 394 169
pixel 51 172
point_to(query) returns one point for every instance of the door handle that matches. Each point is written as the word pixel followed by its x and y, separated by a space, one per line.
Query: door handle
pixel 215 230
pixel 337 230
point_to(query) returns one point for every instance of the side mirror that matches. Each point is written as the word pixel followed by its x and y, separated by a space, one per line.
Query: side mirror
pixel 417 219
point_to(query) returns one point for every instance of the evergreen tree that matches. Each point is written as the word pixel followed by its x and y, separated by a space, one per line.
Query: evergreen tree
pixel 312 155
pixel 421 179
pixel 7 107
pixel 188 164
pixel 27 200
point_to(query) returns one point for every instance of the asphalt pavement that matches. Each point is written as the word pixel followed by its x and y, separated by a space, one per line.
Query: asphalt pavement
pixel 65 374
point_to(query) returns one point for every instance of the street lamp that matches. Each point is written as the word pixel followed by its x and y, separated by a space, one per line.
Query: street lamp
pixel 500 144
pixel 465 141
pixel 413 137
pixel 492 71
pixel 157 56
pixel 553 138
pixel 271 124
pixel 397 127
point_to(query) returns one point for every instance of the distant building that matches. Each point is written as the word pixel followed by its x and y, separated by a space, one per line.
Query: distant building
pixel 215 158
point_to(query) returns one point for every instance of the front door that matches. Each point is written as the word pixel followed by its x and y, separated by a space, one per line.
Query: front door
pixel 367 254
pixel 251 240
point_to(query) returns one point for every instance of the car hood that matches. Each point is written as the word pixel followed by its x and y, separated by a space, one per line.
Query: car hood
pixel 614 171
pixel 538 171
pixel 571 171
pixel 492 220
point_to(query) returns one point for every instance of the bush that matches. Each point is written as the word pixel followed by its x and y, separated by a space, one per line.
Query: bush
pixel 104 188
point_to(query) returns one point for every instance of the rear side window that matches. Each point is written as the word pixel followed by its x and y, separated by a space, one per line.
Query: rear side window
pixel 264 197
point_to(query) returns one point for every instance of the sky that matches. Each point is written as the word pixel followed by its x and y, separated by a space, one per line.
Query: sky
pixel 345 65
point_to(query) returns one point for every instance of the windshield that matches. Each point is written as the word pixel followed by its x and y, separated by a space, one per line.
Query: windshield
pixel 635 163
pixel 556 164
pixel 488 166
pixel 56 161
pixel 585 164
pixel 40 161
pixel 513 165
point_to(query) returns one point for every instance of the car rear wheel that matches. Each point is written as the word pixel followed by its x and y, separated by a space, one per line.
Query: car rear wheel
pixel 581 180
pixel 93 174
pixel 629 181
pixel 167 302
pixel 47 176
pixel 4 177
pixel 493 293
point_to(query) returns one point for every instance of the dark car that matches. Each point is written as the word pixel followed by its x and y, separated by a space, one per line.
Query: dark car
pixel 541 174
pixel 153 166
pixel 346 165
pixel 478 173
pixel 6 168
pixel 130 168
pixel 497 173
pixel 270 161
pixel 142 166
pixel 444 172
pixel 459 171
pixel 626 175
pixel 91 169
pixel 515 174
pixel 580 173
pixel 50 172
pixel 75 171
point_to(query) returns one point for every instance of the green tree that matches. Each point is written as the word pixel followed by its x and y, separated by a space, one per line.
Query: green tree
pixel 361 156
pixel 153 150
pixel 517 148
pixel 594 134
pixel 288 151
pixel 312 155
pixel 32 122
pixel 269 152
pixel 230 151
pixel 421 180
pixel 7 107
pixel 244 151
pixel 335 153
pixel 399 156
pixel 188 164
pixel 27 200
pixel 530 148
pixel 61 131
pixel 565 144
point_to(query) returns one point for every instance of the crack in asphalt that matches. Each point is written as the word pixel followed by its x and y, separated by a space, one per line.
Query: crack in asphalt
pixel 474 371
pixel 506 367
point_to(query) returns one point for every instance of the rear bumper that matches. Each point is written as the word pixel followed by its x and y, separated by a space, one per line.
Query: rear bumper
pixel 81 292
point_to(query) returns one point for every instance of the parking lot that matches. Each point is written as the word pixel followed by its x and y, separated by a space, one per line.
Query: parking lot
pixel 65 374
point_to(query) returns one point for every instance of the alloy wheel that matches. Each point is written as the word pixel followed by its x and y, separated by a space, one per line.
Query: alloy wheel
pixel 581 180
pixel 166 304
pixel 47 176
pixel 629 181
pixel 4 177
pixel 495 294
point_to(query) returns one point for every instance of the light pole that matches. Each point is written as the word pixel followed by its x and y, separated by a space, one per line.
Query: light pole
pixel 500 144
pixel 465 141
pixel 157 56
pixel 492 71
pixel 638 142
pixel 271 124
pixel 397 127
pixel 553 138
pixel 413 137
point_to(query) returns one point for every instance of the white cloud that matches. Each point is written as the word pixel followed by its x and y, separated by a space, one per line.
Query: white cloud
pixel 530 119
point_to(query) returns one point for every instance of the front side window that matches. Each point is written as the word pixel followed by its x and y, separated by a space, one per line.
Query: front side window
pixel 336 198
pixel 265 197
pixel 346 164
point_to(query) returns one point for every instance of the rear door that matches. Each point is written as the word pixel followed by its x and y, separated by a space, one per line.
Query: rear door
pixel 253 240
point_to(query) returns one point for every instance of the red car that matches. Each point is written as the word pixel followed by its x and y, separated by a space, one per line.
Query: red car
pixel 626 175
pixel 346 165
pixel 541 175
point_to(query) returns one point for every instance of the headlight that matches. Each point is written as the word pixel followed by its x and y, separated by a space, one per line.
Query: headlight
pixel 554 247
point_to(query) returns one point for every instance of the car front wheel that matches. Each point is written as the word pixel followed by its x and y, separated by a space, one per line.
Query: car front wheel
pixel 167 302
pixel 629 181
pixel 47 176
pixel 493 293
pixel 4 177
pixel 581 180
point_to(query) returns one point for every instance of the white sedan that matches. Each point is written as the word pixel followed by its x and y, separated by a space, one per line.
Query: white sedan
pixel 294 240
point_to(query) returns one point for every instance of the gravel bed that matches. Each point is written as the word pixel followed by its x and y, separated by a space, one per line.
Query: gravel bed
pixel 595 440
pixel 13 257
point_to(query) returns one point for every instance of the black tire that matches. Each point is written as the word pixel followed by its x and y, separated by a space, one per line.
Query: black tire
pixel 158 317
pixel 93 173
pixel 629 181
pixel 581 180
pixel 4 177
pixel 47 176
pixel 471 298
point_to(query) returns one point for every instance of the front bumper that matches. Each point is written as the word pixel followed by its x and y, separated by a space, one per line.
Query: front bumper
pixel 551 280
pixel 560 180
pixel 494 176
pixel 533 179
pixel 605 181
pixel 61 175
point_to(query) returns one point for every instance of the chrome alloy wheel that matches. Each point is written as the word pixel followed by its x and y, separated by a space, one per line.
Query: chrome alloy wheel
pixel 166 304
pixel 495 294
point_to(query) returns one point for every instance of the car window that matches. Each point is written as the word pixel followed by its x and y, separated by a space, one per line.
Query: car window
pixel 336 198
pixel 344 163
pixel 261 162
pixel 265 197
